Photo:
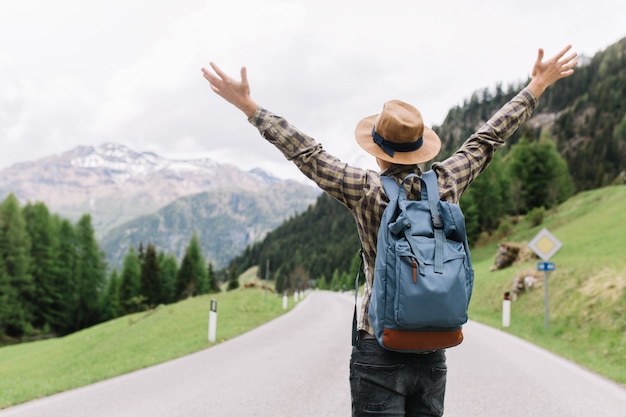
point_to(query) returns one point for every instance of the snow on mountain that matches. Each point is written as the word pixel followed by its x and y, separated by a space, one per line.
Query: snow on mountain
pixel 114 183
pixel 123 159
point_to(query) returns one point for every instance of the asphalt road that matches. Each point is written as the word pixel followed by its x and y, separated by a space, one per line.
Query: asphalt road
pixel 297 365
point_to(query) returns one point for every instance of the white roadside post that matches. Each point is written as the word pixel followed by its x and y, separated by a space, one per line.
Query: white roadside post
pixel 545 244
pixel 285 300
pixel 213 321
pixel 506 310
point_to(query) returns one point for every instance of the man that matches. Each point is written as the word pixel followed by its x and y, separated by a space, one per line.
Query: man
pixel 385 382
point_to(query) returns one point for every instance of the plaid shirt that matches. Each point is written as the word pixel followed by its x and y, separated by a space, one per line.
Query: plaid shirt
pixel 361 190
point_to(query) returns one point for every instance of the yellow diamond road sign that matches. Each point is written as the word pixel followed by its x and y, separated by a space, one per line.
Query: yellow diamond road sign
pixel 545 244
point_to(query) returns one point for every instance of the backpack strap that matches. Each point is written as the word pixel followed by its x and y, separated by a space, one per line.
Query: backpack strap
pixel 429 181
pixel 391 188
pixel 429 191
pixel 397 197
pixel 355 333
pixel 432 189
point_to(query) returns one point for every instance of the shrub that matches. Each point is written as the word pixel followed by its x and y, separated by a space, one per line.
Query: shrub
pixel 536 215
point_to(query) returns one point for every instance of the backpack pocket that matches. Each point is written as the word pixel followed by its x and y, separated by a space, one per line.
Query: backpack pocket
pixel 424 298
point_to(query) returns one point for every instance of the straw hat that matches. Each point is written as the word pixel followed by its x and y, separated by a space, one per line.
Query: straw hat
pixel 398 135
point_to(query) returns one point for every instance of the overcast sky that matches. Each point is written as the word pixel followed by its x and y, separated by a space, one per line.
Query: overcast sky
pixel 76 72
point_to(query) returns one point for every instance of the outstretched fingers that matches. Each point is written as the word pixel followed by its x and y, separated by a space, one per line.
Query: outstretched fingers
pixel 236 92
pixel 546 73
pixel 218 71
pixel 562 53
pixel 218 79
pixel 569 61
pixel 563 65
pixel 210 77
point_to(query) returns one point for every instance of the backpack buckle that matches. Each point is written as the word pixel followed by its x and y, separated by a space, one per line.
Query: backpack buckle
pixel 437 222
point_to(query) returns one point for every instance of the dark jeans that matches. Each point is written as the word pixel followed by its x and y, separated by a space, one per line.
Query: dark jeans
pixel 386 383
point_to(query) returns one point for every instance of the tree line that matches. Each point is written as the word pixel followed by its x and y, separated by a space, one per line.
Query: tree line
pixel 54 279
pixel 584 113
pixel 307 250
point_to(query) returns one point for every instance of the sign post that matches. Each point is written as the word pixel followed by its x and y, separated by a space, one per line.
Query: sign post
pixel 545 244
pixel 213 321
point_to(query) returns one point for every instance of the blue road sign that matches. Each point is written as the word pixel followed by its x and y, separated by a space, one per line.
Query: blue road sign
pixel 545 266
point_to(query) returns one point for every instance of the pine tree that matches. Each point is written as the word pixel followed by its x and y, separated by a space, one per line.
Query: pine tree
pixel 192 276
pixel 279 283
pixel 65 256
pixel 49 285
pixel 90 275
pixel 233 278
pixel 5 294
pixel 15 251
pixel 200 266
pixel 185 283
pixel 169 270
pixel 112 307
pixel 140 252
pixel 130 286
pixel 151 284
pixel 213 285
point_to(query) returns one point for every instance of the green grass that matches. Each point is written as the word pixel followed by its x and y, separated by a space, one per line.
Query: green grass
pixel 38 369
pixel 587 297
pixel 587 310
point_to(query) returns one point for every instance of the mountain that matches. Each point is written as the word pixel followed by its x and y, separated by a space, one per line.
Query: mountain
pixel 225 220
pixel 116 184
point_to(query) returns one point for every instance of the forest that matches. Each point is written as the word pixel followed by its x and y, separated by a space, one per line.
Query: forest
pixel 585 114
pixel 54 280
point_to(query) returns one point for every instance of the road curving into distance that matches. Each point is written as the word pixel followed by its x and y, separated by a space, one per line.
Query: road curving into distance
pixel 297 365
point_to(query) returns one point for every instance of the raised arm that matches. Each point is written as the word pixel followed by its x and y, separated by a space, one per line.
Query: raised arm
pixel 235 92
pixel 546 73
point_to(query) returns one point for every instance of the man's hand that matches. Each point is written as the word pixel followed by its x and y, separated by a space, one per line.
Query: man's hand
pixel 235 92
pixel 546 73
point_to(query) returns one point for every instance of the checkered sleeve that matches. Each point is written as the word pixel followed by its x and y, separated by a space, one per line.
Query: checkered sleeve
pixel 457 172
pixel 342 181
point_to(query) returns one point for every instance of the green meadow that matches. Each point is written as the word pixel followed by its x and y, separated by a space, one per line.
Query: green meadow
pixel 586 291
pixel 587 310
pixel 37 369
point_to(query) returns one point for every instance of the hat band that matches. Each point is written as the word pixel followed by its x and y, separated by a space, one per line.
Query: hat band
pixel 390 147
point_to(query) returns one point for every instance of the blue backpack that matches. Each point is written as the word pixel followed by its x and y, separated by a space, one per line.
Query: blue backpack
pixel 423 275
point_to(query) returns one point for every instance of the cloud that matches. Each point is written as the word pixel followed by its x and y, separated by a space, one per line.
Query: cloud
pixel 128 71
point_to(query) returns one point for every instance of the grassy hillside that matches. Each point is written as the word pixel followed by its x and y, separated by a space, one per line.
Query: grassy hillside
pixel 38 369
pixel 587 297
